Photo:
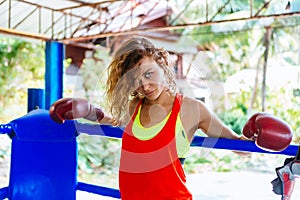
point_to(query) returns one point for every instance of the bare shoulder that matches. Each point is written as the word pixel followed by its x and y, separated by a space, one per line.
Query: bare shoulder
pixel 191 105
pixel 193 113
pixel 190 115
pixel 196 108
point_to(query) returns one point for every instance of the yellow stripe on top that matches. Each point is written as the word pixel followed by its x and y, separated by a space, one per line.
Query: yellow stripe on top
pixel 147 133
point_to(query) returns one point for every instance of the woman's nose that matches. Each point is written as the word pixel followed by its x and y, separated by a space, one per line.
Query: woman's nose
pixel 144 84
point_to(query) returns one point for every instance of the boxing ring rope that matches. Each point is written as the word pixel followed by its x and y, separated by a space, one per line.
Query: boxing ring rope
pixel 116 132
pixel 198 141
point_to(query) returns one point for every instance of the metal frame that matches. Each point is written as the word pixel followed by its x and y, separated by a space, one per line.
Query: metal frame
pixel 67 26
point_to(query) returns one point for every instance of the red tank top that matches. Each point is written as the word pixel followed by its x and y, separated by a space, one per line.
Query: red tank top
pixel 150 169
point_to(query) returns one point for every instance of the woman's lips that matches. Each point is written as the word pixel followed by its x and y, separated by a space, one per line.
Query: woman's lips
pixel 149 93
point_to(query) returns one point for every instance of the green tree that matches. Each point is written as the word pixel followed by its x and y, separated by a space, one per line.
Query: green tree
pixel 21 67
pixel 242 45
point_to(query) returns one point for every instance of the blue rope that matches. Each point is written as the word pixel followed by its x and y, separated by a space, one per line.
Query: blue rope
pixel 4 193
pixel 238 145
pixel 6 129
pixel 198 141
pixel 104 191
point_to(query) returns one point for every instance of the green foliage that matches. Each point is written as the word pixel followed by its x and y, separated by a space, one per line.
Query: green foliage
pixel 94 83
pixel 98 154
pixel 234 119
pixel 203 160
pixel 21 67
pixel 195 160
pixel 239 50
pixel 235 116
pixel 286 106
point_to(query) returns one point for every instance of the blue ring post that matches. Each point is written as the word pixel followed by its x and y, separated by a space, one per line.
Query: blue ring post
pixel 54 72
pixel 43 159
pixel 36 99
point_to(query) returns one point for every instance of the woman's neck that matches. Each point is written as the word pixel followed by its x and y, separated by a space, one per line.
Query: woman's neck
pixel 154 111
pixel 164 99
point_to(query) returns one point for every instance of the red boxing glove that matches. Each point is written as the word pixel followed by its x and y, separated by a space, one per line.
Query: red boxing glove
pixel 73 108
pixel 268 132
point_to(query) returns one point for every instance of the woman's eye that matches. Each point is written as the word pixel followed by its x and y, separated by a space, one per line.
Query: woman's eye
pixel 148 74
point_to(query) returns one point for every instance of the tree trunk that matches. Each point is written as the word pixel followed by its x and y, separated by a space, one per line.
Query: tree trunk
pixel 266 44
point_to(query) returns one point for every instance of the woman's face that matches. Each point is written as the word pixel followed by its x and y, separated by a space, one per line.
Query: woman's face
pixel 150 80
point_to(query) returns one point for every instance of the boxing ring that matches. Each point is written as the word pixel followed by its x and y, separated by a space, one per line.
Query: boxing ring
pixel 44 156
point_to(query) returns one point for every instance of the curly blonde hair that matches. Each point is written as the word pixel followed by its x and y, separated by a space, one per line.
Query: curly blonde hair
pixel 121 86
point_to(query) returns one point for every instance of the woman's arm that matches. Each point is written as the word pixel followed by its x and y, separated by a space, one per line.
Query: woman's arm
pixel 212 125
pixel 74 108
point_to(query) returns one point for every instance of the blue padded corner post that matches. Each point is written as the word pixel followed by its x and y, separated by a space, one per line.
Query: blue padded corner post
pixel 43 158
pixel 54 72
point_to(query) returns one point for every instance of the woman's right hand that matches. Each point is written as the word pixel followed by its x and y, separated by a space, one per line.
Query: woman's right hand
pixel 73 108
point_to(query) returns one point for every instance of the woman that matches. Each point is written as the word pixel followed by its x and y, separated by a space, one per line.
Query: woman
pixel 160 123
